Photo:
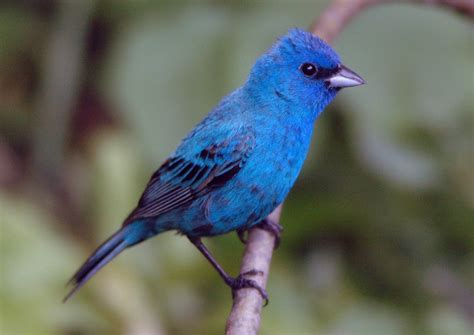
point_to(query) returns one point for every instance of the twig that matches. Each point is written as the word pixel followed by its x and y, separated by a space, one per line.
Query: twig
pixel 244 318
pixel 245 315
pixel 340 12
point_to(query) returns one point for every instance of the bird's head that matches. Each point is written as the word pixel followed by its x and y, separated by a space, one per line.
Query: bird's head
pixel 301 68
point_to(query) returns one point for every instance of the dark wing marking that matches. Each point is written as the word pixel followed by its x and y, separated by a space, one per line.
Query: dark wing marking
pixel 179 181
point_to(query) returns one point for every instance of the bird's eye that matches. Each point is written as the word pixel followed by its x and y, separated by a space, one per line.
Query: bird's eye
pixel 308 69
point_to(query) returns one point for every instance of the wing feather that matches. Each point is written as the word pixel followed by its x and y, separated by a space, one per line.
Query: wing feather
pixel 179 180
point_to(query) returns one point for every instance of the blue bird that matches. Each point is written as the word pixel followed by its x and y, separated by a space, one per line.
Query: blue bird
pixel 239 163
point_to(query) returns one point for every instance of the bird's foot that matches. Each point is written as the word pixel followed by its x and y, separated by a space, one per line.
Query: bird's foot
pixel 266 224
pixel 272 227
pixel 241 282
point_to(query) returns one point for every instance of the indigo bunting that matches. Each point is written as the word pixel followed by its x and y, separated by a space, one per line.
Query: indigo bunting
pixel 239 163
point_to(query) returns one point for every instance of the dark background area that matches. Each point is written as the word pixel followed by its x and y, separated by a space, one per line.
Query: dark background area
pixel 379 229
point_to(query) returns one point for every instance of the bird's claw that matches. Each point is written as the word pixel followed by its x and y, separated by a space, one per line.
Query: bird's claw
pixel 241 234
pixel 268 225
pixel 273 228
pixel 241 282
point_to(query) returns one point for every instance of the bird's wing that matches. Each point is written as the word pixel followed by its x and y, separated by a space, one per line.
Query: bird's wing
pixel 182 179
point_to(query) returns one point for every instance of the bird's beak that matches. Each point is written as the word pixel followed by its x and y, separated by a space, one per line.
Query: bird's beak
pixel 344 77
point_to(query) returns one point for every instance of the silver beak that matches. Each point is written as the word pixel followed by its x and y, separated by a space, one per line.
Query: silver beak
pixel 345 77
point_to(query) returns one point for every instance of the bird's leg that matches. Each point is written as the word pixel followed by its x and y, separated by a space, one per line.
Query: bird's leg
pixel 234 283
pixel 266 224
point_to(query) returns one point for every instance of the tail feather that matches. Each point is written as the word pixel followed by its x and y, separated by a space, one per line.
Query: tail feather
pixel 99 258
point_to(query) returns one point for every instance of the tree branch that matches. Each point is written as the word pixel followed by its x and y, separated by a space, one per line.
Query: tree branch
pixel 341 12
pixel 245 315
pixel 244 318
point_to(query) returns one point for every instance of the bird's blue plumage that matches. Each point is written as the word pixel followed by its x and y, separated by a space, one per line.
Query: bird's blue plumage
pixel 241 160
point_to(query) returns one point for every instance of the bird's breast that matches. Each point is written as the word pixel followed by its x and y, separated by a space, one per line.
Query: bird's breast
pixel 278 158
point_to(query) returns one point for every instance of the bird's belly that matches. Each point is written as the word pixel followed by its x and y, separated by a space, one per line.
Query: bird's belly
pixel 254 193
pixel 238 209
pixel 237 205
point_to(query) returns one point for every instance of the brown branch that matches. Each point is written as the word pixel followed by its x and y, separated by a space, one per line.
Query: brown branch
pixel 245 315
pixel 341 12
pixel 244 318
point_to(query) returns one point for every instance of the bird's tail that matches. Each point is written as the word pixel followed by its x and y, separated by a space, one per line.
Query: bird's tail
pixel 99 258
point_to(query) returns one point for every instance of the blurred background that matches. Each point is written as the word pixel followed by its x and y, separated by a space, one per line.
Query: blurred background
pixel 379 229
